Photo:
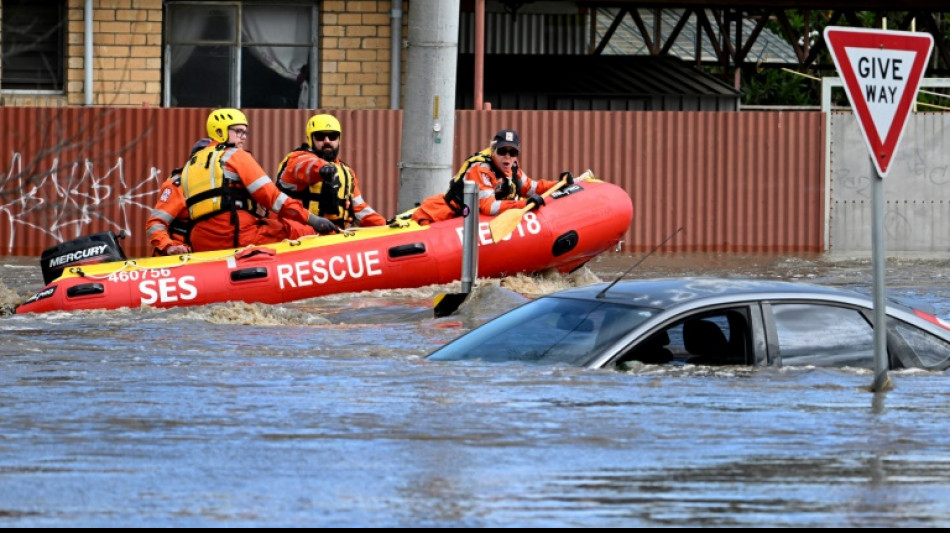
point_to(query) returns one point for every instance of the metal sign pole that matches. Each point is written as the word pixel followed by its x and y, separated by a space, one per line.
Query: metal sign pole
pixel 469 237
pixel 881 381
pixel 446 304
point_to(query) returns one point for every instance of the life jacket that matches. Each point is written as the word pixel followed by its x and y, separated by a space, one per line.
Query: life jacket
pixel 323 203
pixel 210 189
pixel 507 188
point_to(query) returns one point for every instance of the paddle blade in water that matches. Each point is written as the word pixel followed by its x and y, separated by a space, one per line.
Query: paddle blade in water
pixel 446 304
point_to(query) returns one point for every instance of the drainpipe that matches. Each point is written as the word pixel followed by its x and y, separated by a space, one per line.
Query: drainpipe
pixel 87 62
pixel 479 53
pixel 395 53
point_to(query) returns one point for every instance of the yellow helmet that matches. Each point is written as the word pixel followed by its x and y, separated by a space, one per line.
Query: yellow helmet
pixel 321 123
pixel 222 119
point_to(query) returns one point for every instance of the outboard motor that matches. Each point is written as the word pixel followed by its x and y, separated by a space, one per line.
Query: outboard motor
pixel 96 248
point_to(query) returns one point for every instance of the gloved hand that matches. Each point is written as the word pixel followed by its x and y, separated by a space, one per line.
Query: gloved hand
pixel 321 225
pixel 329 198
pixel 176 249
pixel 535 199
pixel 514 170
pixel 328 172
pixel 566 176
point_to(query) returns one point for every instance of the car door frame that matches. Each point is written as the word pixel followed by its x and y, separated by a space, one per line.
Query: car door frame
pixel 771 331
pixel 672 317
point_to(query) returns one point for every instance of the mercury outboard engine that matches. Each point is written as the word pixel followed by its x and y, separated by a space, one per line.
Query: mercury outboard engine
pixel 96 248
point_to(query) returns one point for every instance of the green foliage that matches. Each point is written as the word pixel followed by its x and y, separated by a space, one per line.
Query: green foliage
pixel 779 87
pixel 785 86
pixel 776 86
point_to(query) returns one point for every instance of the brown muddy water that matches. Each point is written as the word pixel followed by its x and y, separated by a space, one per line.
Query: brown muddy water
pixel 323 413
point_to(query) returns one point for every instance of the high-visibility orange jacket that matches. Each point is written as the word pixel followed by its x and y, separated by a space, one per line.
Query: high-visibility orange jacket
pixel 299 177
pixel 168 223
pixel 238 222
pixel 497 191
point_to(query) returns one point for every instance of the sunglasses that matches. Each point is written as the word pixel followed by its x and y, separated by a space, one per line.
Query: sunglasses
pixel 240 132
pixel 513 152
pixel 321 135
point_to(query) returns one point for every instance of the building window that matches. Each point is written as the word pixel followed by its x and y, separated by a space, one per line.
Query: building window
pixel 240 54
pixel 33 36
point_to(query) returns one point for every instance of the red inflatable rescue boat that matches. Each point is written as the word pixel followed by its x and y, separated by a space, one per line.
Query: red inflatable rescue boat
pixel 576 224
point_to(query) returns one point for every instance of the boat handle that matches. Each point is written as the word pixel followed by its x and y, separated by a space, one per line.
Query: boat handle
pixel 407 249
pixel 564 243
pixel 245 274
pixel 86 289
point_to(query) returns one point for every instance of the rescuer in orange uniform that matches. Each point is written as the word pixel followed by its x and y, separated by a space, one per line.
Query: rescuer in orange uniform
pixel 167 227
pixel 314 174
pixel 501 184
pixel 227 193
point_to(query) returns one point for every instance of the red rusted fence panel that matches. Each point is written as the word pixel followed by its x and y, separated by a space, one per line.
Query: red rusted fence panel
pixel 735 182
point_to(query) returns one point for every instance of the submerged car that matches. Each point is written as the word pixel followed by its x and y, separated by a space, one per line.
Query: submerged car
pixel 706 321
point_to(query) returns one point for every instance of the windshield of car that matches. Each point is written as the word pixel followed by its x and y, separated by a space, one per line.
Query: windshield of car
pixel 547 330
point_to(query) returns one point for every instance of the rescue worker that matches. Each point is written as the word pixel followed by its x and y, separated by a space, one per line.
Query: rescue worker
pixel 502 185
pixel 225 191
pixel 314 174
pixel 167 226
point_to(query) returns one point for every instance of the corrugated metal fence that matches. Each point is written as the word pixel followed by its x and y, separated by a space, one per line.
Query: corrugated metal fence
pixel 735 182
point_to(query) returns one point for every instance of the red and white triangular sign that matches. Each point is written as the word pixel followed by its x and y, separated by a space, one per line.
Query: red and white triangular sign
pixel 881 70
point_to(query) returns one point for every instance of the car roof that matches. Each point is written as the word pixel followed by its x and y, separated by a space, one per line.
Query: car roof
pixel 663 293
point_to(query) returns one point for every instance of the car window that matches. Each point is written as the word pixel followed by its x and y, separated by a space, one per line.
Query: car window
pixel 719 337
pixel 547 330
pixel 823 335
pixel 927 350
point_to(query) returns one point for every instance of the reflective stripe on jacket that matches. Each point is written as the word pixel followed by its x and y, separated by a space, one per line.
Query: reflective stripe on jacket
pixel 168 224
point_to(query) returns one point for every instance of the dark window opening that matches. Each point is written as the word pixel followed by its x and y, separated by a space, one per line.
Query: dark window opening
pixel 252 55
pixel 33 45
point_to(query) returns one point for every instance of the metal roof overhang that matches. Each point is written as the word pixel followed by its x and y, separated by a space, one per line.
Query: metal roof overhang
pixel 684 36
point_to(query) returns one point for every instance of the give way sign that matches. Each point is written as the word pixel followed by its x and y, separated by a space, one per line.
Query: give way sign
pixel 881 70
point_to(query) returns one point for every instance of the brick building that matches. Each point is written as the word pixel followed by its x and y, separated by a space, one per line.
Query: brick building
pixel 258 54
pixel 196 54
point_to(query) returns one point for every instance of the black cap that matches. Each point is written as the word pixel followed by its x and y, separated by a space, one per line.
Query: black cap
pixel 506 138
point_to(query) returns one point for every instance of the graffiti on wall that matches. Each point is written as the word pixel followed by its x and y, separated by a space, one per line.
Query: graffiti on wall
pixel 65 201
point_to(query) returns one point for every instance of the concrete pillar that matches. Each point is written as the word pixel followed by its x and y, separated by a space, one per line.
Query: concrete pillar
pixel 428 120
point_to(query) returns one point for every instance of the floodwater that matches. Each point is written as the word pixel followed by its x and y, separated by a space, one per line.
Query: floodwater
pixel 323 413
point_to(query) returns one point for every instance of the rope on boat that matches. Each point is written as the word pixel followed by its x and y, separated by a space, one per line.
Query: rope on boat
pixel 299 240
pixel 125 266
pixel 184 258
pixel 133 265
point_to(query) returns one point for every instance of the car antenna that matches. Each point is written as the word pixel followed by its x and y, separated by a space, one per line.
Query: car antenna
pixel 603 293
